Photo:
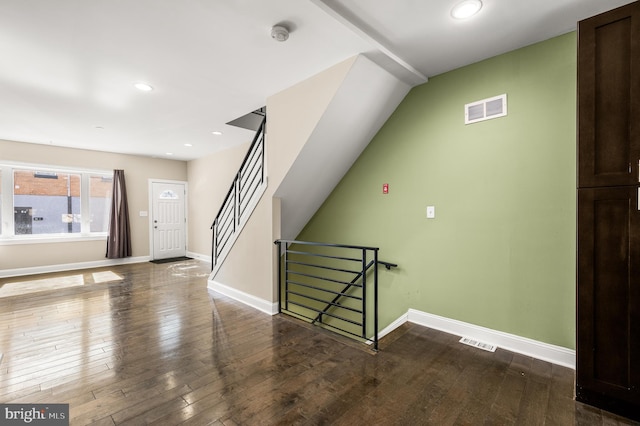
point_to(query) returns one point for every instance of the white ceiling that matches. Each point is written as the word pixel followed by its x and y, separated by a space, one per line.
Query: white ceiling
pixel 67 67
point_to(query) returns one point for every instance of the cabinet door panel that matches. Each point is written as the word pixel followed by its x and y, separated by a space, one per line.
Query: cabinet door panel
pixel 609 98
pixel 608 296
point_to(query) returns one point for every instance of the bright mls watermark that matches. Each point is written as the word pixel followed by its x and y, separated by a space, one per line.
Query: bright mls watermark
pixel 34 414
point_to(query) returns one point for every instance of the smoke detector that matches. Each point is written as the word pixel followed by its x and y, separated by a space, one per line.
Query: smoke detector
pixel 279 33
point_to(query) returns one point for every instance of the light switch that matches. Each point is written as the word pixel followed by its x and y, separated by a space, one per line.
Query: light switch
pixel 143 214
pixel 431 212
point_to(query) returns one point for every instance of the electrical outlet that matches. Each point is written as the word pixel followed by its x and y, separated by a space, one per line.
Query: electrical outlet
pixel 431 212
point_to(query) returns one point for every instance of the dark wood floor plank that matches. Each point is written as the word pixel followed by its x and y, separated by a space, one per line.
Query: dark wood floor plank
pixel 534 403
pixel 560 408
pixel 151 399
pixel 152 346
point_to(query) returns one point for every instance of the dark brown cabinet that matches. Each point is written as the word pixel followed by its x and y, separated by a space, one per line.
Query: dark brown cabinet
pixel 609 98
pixel 608 370
pixel 608 270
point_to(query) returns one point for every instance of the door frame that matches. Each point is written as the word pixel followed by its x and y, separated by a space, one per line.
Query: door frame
pixel 150 212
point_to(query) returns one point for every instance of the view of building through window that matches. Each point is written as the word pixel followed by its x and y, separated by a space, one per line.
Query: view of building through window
pixel 46 202
pixel 51 202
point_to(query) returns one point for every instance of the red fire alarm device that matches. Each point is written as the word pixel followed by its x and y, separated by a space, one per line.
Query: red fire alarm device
pixel 385 188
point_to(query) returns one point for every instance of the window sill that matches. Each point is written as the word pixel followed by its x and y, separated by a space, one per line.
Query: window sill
pixel 48 239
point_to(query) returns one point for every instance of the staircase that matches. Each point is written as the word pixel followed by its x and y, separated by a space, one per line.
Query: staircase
pixel 248 186
pixel 317 129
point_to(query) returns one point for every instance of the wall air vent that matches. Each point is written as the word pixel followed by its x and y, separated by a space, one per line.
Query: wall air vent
pixel 485 109
pixel 479 345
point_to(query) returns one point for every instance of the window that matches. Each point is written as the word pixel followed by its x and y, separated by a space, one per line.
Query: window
pixel 100 202
pixel 46 202
pixel 53 203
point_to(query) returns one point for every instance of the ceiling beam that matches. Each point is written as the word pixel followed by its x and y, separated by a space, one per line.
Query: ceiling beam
pixel 382 55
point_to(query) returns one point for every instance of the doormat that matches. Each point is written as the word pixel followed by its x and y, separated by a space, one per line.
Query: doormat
pixel 169 260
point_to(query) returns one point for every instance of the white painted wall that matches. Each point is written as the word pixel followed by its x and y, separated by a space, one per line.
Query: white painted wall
pixel 362 104
pixel 209 181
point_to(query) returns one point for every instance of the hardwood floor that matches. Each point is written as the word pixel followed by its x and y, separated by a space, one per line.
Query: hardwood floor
pixel 148 344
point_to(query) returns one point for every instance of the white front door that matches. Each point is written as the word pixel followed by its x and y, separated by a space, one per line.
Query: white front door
pixel 168 220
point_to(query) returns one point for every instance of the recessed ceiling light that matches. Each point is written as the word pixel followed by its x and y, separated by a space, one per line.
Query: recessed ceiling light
pixel 99 127
pixel 169 153
pixel 217 133
pixel 187 144
pixel 466 9
pixel 143 87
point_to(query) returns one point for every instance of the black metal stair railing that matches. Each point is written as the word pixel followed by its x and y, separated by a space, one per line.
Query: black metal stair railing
pixel 246 183
pixel 329 285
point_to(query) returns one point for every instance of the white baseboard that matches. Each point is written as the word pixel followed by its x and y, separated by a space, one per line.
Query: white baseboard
pixel 202 257
pixel 70 266
pixel 522 345
pixel 246 298
pixel 397 323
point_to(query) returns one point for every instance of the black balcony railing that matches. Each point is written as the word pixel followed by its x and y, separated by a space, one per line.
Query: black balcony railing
pixel 246 183
pixel 331 285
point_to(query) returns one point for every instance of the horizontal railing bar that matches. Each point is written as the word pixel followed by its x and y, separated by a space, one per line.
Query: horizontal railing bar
pixel 348 271
pixel 225 217
pixel 296 314
pixel 253 158
pixel 244 190
pixel 223 232
pixel 321 278
pixel 330 245
pixel 222 235
pixel 337 305
pixel 227 208
pixel 388 265
pixel 352 283
pixel 324 289
pixel 361 336
pixel 250 179
pixel 256 148
pixel 244 205
pixel 251 164
pixel 254 144
pixel 326 313
pixel 223 245
pixel 226 198
pixel 255 184
pixel 308 253
pixel 225 220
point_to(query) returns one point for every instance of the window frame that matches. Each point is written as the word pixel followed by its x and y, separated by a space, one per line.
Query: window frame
pixel 7 229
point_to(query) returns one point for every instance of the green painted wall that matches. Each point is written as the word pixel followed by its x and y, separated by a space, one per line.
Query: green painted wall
pixel 501 251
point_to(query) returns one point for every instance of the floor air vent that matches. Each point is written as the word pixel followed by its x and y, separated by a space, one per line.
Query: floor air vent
pixel 485 109
pixel 479 345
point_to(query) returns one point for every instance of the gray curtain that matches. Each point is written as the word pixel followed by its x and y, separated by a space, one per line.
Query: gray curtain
pixel 119 238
